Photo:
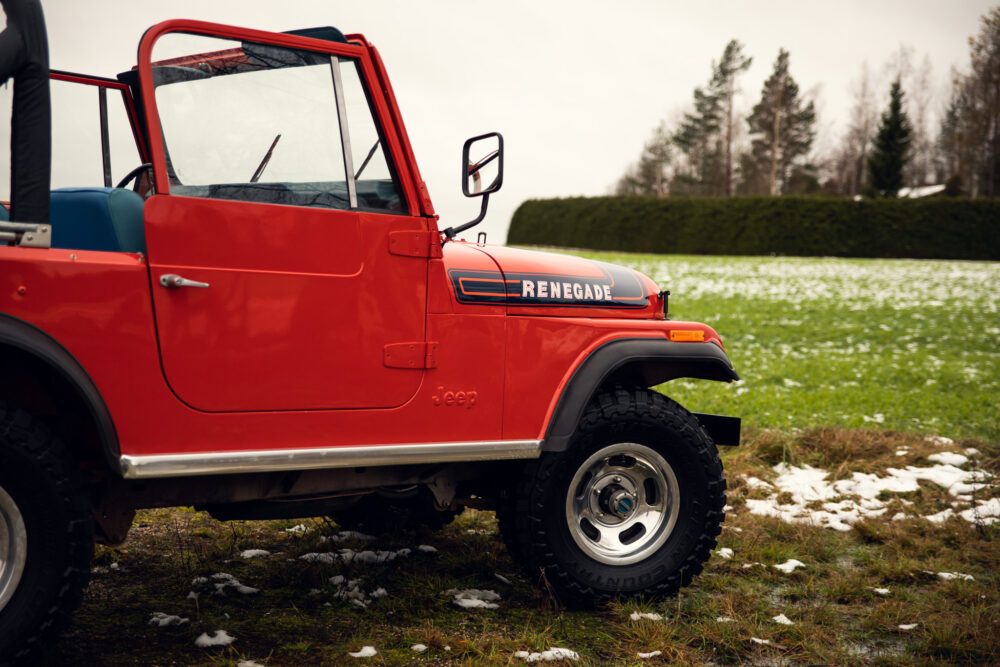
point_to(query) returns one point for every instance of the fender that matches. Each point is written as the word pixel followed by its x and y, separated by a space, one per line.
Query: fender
pixel 646 362
pixel 26 337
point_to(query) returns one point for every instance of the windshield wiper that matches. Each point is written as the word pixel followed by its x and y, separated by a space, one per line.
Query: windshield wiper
pixel 263 163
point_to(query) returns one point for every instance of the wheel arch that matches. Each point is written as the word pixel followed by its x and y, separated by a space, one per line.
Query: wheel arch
pixel 42 377
pixel 636 362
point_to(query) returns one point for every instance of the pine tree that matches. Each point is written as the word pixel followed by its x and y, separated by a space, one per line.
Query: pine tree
pixel 651 175
pixel 782 127
pixel 890 151
pixel 732 63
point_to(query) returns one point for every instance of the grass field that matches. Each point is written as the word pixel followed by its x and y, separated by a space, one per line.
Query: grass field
pixel 875 381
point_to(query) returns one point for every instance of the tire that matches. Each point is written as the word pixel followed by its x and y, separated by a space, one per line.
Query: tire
pixel 46 536
pixel 631 508
pixel 379 514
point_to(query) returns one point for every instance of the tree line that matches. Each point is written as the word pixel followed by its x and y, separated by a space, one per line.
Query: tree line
pixel 705 153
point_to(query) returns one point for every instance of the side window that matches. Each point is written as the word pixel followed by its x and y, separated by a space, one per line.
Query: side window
pixel 256 122
pixel 377 189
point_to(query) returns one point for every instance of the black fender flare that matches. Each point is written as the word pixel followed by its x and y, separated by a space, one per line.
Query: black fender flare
pixel 639 361
pixel 30 339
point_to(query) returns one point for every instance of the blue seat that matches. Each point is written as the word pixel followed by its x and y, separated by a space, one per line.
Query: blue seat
pixel 97 219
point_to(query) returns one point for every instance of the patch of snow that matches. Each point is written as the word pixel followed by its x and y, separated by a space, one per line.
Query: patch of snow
pixel 747 566
pixel 970 451
pixel 757 483
pixel 298 529
pixel 427 549
pixel 789 565
pixel 378 593
pixel 254 553
pixel 948 576
pixel 635 616
pixel 474 598
pixel 248 663
pixel 725 552
pixel 899 516
pixel 345 535
pixel 651 654
pixel 877 418
pixel 757 640
pixel 503 579
pixel 365 652
pixel 162 620
pixel 782 619
pixel 908 626
pixel 554 654
pixel 419 648
pixel 902 452
pixel 198 581
pixel 939 440
pixel 219 638
pixel 723 619
pixel 949 458
pixel 192 595
pixel 881 591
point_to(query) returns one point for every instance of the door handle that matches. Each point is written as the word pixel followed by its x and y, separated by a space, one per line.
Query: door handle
pixel 173 281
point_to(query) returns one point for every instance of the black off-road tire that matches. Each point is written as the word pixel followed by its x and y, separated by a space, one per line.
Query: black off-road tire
pixel 47 489
pixel 537 520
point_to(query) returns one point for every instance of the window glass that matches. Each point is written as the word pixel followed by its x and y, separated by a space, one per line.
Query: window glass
pixel 377 189
pixel 257 122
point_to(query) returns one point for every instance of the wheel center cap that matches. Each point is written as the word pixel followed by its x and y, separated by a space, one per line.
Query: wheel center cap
pixel 618 501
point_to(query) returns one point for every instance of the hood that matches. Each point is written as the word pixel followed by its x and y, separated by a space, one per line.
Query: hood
pixel 551 284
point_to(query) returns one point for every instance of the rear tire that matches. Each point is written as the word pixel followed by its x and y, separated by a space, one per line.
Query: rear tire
pixel 631 508
pixel 46 536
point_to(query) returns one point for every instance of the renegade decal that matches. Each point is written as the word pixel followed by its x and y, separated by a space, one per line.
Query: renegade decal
pixel 617 288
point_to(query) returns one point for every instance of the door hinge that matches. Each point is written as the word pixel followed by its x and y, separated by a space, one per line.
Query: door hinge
pixel 410 355
pixel 415 243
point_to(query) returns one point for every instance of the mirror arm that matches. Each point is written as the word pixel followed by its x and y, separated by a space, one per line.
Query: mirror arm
pixel 451 231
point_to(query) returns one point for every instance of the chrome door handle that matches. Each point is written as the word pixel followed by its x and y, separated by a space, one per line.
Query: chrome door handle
pixel 173 281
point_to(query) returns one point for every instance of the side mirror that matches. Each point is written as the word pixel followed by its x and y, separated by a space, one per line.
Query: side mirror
pixel 482 165
pixel 482 174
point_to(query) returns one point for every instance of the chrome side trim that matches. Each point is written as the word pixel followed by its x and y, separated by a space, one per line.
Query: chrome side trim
pixel 271 460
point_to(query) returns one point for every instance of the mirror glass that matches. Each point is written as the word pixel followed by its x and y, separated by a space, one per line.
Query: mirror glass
pixel 483 160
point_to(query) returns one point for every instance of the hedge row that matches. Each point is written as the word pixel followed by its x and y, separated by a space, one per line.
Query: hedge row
pixel 804 226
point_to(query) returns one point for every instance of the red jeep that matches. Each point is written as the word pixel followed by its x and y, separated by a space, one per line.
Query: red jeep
pixel 262 319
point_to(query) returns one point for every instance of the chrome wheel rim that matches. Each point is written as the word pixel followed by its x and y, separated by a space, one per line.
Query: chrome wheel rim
pixel 622 503
pixel 13 547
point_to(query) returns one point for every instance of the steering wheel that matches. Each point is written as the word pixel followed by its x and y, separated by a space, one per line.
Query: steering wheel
pixel 132 175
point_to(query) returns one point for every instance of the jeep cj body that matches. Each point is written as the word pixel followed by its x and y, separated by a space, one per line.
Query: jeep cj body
pixel 250 308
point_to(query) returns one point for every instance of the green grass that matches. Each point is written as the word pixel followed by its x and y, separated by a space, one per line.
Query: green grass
pixel 890 344
pixel 820 345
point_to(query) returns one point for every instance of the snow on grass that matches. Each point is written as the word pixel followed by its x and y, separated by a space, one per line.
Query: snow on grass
pixel 636 615
pixel 419 648
pixel 427 549
pixel 847 501
pixel 949 576
pixel 352 556
pixel 881 591
pixel 503 579
pixel 474 598
pixel 219 638
pixel 789 565
pixel 906 627
pixel 554 654
pixel 782 619
pixel 248 663
pixel 345 535
pixel 757 640
pixel 647 656
pixel 724 619
pixel 162 620
pixel 255 553
pixel 223 581
pixel 365 652
pixel 939 440
pixel 725 552
pixel 298 529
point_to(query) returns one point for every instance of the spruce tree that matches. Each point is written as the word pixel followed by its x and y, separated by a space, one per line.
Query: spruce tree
pixel 782 127
pixel 891 147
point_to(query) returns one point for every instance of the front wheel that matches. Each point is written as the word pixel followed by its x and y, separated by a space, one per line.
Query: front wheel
pixel 631 508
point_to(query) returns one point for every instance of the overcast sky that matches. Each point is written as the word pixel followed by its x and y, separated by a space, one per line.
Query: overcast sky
pixel 576 87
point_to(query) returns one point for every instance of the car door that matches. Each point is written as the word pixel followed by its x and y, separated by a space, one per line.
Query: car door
pixel 275 284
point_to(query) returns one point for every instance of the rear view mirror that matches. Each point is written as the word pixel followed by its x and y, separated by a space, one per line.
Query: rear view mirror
pixel 482 165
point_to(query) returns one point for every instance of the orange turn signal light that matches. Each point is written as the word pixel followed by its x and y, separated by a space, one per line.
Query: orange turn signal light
pixel 687 335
